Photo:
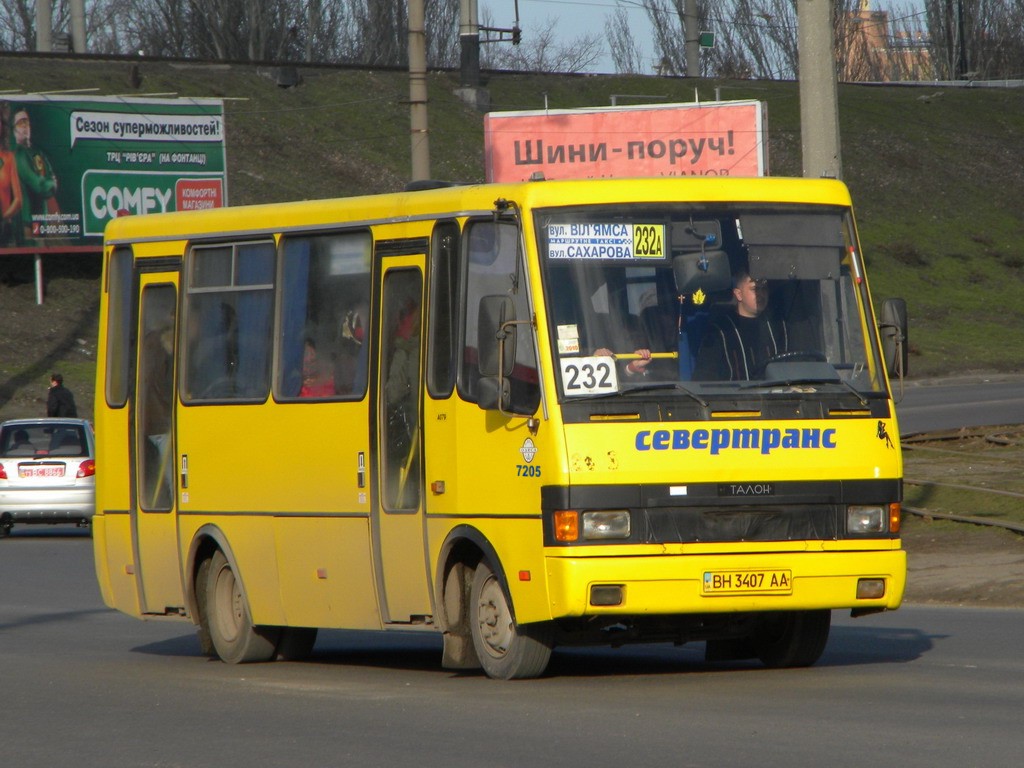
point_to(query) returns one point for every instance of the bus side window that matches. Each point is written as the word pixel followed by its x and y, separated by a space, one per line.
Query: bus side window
pixel 443 315
pixel 325 282
pixel 230 303
pixel 494 268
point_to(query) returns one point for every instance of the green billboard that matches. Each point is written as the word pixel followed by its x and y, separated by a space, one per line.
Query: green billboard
pixel 68 165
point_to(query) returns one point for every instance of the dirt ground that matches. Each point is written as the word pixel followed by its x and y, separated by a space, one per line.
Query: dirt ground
pixel 962 564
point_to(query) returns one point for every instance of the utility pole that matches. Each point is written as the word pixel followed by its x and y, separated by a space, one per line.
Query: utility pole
pixel 77 7
pixel 691 41
pixel 418 92
pixel 819 90
pixel 44 26
pixel 469 43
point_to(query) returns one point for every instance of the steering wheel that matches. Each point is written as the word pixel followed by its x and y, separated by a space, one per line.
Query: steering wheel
pixel 793 356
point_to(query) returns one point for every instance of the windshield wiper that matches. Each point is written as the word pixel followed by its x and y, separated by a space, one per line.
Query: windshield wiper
pixel 672 385
pixel 797 380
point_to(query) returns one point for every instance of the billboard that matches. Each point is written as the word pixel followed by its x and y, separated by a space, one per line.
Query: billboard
pixel 70 164
pixel 722 138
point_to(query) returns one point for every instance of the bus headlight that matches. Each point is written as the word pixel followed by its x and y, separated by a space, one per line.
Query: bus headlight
pixel 607 524
pixel 865 518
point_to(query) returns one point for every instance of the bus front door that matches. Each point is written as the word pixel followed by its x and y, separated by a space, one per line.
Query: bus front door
pixel 399 531
pixel 154 517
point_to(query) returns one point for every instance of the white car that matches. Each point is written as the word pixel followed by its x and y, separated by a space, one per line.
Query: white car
pixel 47 472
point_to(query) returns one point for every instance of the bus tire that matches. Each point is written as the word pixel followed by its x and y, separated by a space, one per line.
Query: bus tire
pixel 296 643
pixel 506 650
pixel 792 638
pixel 232 633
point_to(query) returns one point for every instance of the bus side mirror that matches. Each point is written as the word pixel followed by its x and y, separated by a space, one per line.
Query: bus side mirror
pixel 496 336
pixel 494 394
pixel 496 350
pixel 893 330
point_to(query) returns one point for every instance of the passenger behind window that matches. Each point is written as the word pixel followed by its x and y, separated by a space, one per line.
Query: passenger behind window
pixel 317 378
pixel 20 444
pixel 658 333
pixel 350 355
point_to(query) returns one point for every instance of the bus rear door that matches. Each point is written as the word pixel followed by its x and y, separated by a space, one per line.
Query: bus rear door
pixel 154 507
pixel 398 524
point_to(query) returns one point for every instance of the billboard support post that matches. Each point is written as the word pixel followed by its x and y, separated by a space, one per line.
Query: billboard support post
pixel 39 278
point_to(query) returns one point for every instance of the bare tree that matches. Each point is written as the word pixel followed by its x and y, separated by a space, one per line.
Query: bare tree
pixel 342 31
pixel 543 51
pixel 977 39
pixel 625 51
pixel 18 23
pixel 754 38
pixel 375 32
pixel 442 23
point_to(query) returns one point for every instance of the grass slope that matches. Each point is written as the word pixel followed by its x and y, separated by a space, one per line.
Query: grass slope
pixel 937 175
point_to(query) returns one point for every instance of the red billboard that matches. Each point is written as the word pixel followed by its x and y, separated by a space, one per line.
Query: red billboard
pixel 722 138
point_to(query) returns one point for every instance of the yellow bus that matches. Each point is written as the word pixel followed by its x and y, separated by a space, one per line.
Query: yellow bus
pixel 523 416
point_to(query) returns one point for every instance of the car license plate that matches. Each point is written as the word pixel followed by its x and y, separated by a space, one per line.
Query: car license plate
pixel 775 582
pixel 41 470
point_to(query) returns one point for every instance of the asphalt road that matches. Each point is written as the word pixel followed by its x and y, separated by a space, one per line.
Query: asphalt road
pixel 85 686
pixel 942 404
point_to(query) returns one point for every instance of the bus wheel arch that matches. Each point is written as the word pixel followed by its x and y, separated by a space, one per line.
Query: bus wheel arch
pixel 463 549
pixel 477 615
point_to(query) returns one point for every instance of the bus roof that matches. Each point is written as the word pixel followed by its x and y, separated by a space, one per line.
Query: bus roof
pixel 468 199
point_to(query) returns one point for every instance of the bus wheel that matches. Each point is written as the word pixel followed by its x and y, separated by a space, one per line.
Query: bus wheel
pixel 234 637
pixel 506 651
pixel 296 643
pixel 792 639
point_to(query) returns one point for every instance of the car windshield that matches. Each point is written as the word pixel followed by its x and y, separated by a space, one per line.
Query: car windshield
pixel 32 440
pixel 706 300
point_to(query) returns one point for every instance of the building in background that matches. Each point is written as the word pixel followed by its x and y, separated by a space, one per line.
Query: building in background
pixel 880 49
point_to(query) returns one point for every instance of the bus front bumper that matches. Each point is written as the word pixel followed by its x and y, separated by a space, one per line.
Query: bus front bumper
pixel 862 581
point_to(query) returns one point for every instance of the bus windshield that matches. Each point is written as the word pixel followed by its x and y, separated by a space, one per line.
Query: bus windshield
pixel 707 299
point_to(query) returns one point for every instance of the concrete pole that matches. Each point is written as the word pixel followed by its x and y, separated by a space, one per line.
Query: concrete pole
pixel 44 26
pixel 691 41
pixel 819 94
pixel 469 43
pixel 78 44
pixel 418 92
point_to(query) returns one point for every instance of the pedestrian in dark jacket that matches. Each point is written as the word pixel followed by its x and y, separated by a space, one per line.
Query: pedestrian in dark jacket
pixel 60 401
